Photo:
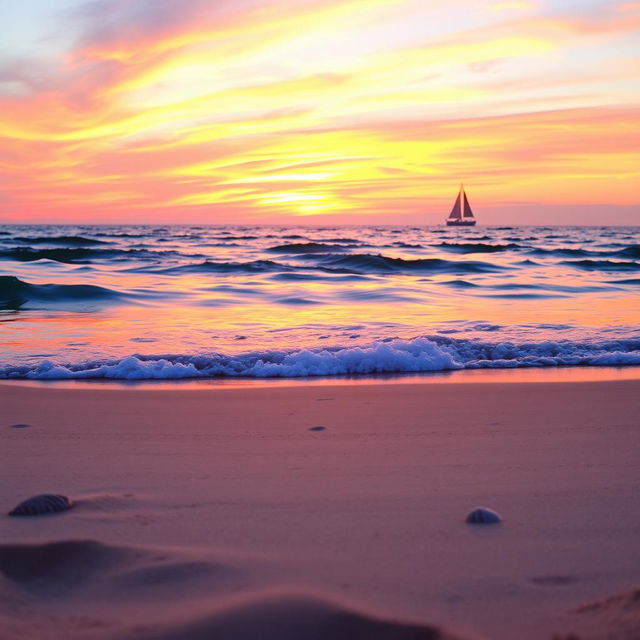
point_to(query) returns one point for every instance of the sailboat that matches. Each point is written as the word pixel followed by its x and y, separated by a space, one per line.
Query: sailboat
pixel 461 214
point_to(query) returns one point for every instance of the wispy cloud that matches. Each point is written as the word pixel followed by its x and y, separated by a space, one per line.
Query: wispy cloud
pixel 260 109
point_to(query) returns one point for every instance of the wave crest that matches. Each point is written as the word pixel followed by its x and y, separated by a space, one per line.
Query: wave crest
pixel 79 241
pixel 307 247
pixel 434 353
pixel 377 263
pixel 16 293
pixel 603 265
pixel 82 255
pixel 476 247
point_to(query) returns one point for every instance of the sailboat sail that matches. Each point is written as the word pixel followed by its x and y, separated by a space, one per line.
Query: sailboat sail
pixel 467 209
pixel 455 212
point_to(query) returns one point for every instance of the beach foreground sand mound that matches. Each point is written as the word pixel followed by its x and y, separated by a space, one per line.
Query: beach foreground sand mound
pixel 294 616
pixel 60 565
pixel 78 568
pixel 90 589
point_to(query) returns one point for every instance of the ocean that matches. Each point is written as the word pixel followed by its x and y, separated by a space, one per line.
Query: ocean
pixel 171 302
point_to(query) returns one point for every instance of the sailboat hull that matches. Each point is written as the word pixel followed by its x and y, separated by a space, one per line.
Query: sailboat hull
pixel 461 223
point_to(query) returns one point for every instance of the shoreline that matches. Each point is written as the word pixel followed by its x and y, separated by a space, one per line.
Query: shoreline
pixel 514 375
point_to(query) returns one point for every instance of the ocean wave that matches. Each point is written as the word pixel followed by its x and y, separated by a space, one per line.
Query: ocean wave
pixel 306 247
pixel 603 265
pixel 342 240
pixel 324 275
pixel 434 353
pixel 209 266
pixel 476 247
pixel 569 252
pixel 254 266
pixel 632 251
pixel 81 255
pixel 462 284
pixel 228 237
pixel 330 263
pixel 24 254
pixel 15 293
pixel 563 252
pixel 626 281
pixel 80 241
pixel 106 234
pixel 379 264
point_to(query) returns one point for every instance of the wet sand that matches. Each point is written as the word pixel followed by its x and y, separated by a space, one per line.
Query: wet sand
pixel 226 513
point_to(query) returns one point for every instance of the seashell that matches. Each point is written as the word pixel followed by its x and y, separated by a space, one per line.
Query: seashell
pixel 42 504
pixel 482 515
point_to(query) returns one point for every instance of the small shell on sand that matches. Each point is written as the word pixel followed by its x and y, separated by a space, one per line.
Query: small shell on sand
pixel 482 515
pixel 42 504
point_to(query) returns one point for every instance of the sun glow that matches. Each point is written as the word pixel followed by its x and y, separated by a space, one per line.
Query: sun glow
pixel 303 203
pixel 286 109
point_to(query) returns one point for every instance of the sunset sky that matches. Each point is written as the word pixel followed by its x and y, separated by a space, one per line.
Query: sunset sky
pixel 319 111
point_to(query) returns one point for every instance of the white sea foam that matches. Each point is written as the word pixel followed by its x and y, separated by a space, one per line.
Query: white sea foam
pixel 397 356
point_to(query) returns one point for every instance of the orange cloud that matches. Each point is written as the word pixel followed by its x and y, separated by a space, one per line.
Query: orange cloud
pixel 318 108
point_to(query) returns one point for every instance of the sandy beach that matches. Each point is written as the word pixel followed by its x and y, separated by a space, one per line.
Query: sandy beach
pixel 229 512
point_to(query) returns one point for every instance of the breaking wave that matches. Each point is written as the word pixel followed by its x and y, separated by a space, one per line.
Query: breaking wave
pixel 425 354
